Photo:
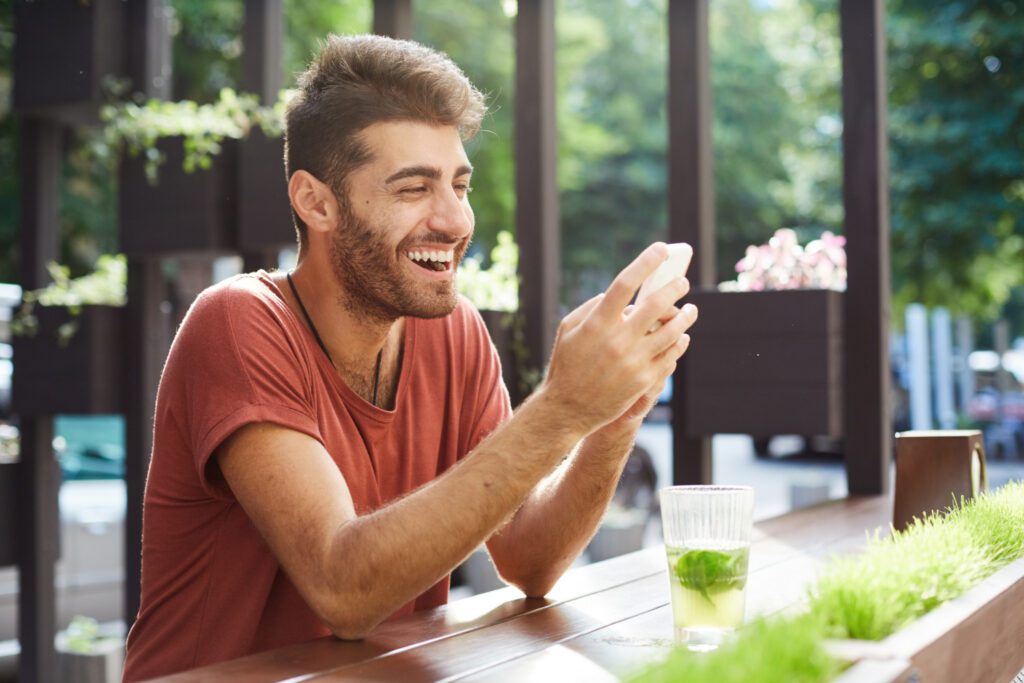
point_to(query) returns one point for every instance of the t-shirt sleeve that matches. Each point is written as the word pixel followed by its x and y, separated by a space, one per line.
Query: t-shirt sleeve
pixel 486 393
pixel 242 363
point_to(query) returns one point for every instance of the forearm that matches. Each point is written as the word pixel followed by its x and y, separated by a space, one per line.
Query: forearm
pixel 387 558
pixel 559 518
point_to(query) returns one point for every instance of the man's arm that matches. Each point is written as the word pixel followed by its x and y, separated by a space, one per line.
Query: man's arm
pixel 560 516
pixel 354 571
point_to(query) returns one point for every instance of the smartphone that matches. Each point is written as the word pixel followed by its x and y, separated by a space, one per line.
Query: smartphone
pixel 679 256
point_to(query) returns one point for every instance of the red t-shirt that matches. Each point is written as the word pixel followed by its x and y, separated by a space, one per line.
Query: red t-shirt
pixel 211 588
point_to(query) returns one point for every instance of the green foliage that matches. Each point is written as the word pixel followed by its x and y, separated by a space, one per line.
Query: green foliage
pixel 83 636
pixel 480 42
pixel 910 573
pixel 495 288
pixel 136 128
pixel 956 131
pixel 107 285
pixel 776 650
pixel 712 571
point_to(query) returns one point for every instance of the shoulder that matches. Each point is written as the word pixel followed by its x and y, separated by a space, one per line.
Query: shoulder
pixel 249 293
pixel 242 302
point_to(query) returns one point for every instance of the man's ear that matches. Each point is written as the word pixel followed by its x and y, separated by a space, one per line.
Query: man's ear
pixel 313 201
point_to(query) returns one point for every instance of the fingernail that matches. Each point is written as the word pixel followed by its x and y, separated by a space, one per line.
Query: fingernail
pixel 690 310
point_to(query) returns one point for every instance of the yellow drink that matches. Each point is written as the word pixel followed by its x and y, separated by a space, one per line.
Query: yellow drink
pixel 708 590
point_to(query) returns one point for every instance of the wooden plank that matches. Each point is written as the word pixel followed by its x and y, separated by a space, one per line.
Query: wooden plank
pixel 691 200
pixel 868 431
pixel 393 18
pixel 538 230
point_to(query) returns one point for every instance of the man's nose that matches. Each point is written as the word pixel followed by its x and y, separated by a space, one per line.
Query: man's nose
pixel 451 214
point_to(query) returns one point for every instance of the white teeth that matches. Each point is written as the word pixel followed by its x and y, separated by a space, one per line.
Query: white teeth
pixel 442 256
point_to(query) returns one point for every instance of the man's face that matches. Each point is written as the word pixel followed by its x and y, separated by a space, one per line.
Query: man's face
pixel 406 223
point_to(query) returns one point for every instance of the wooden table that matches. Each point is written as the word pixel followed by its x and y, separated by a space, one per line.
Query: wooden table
pixel 599 623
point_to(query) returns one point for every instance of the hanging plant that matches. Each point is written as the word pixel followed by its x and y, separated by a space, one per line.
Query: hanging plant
pixel 135 128
pixel 107 285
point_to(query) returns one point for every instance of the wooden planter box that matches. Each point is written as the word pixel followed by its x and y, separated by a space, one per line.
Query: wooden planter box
pixel 8 549
pixel 975 638
pixel 63 52
pixel 264 212
pixel 83 377
pixel 183 212
pixel 765 363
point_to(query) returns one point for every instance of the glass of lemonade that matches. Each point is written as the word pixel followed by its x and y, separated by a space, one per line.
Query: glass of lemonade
pixel 707 540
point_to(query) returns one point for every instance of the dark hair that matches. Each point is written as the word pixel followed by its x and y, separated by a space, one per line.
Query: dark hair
pixel 356 81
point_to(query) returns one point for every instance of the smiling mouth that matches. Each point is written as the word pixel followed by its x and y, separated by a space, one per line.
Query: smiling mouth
pixel 432 259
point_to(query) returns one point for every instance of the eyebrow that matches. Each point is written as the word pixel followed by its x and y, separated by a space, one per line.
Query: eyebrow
pixel 431 172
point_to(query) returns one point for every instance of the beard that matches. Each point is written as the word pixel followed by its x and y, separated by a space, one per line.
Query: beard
pixel 375 285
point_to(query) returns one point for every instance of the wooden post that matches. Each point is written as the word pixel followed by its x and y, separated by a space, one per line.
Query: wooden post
pixel 536 148
pixel 148 47
pixel 262 37
pixel 38 543
pixel 867 422
pixel 393 18
pixel 149 67
pixel 691 197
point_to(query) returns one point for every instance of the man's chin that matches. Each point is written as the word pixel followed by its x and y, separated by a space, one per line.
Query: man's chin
pixel 436 309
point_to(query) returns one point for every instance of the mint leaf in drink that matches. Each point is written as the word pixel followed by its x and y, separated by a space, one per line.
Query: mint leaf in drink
pixel 712 570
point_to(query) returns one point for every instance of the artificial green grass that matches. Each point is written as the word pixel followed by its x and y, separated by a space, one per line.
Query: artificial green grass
pixel 778 650
pixel 868 596
pixel 902 577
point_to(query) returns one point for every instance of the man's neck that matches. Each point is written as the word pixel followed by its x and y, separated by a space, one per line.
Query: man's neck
pixel 353 341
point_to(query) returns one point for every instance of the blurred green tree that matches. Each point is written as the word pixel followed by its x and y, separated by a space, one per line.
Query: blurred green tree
pixel 956 98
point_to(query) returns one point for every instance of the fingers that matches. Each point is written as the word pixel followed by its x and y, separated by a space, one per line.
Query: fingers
pixel 673 329
pixel 625 284
pixel 659 307
pixel 579 314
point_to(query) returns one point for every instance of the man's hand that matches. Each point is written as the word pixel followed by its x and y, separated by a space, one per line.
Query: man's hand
pixel 635 414
pixel 606 363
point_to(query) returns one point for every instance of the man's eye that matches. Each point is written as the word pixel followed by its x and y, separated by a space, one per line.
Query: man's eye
pixel 463 188
pixel 419 189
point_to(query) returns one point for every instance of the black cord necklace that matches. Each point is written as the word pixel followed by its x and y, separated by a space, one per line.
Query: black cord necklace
pixel 316 335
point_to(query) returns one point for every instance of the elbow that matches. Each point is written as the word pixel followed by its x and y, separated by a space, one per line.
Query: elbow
pixel 537 590
pixel 349 631
pixel 350 614
pixel 536 585
pixel 351 626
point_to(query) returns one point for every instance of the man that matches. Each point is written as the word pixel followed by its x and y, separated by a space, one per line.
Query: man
pixel 331 443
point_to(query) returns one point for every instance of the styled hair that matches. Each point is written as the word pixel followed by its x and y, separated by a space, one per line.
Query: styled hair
pixel 357 81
